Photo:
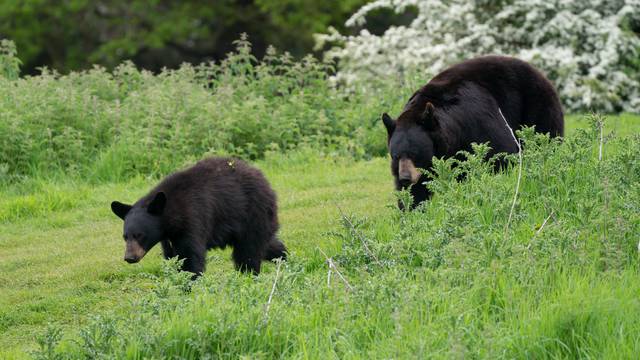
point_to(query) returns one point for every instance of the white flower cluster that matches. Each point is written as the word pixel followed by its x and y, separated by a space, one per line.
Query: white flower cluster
pixel 586 47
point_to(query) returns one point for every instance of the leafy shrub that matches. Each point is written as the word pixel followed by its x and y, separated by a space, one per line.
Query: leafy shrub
pixel 9 62
pixel 108 125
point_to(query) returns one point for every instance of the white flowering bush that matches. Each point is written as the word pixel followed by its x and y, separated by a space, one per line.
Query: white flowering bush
pixel 590 49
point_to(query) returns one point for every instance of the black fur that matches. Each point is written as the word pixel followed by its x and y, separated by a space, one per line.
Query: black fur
pixel 215 203
pixel 460 106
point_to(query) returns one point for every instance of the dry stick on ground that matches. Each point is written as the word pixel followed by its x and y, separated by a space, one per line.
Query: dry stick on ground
pixel 540 229
pixel 515 195
pixel 332 266
pixel 358 235
pixel 544 223
pixel 273 290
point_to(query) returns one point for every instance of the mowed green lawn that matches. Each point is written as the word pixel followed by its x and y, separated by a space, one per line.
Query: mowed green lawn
pixel 60 265
pixel 61 249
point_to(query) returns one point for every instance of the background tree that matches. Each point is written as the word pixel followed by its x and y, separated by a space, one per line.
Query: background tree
pixel 69 35
pixel 589 48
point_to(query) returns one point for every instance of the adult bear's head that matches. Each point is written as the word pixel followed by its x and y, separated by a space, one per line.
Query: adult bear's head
pixel 411 143
pixel 143 227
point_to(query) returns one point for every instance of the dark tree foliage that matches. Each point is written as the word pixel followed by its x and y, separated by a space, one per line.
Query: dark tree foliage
pixel 73 34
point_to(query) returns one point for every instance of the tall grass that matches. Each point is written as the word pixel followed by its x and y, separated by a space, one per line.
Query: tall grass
pixel 443 281
pixel 106 126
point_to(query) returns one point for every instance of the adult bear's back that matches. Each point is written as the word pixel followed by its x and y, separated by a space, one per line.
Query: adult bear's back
pixel 524 94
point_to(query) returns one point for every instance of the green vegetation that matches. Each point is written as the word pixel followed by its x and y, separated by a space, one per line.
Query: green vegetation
pixel 454 279
pixel 61 249
pixel 451 279
pixel 108 126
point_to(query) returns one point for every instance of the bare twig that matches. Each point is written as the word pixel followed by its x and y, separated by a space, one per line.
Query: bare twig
pixel 273 290
pixel 601 125
pixel 515 195
pixel 540 229
pixel 332 266
pixel 605 227
pixel 605 180
pixel 544 223
pixel 355 232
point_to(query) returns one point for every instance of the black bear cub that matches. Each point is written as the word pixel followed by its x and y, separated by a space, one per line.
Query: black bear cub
pixel 215 203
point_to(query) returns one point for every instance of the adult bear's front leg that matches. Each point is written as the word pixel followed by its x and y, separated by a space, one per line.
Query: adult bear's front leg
pixel 167 249
pixel 194 257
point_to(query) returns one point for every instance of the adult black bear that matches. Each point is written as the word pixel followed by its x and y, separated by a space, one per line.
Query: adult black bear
pixel 215 203
pixel 462 105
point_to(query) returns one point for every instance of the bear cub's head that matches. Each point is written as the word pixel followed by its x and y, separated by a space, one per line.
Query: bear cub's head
pixel 143 227
pixel 411 143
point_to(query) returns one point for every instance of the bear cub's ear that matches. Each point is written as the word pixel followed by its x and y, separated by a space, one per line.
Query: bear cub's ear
pixel 388 123
pixel 428 118
pixel 156 206
pixel 120 209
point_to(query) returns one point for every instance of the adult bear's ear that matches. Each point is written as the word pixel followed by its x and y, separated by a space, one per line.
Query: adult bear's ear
pixel 428 118
pixel 156 206
pixel 120 209
pixel 388 123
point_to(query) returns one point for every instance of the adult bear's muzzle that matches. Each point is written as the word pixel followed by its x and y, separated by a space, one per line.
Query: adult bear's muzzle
pixel 407 172
pixel 134 252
